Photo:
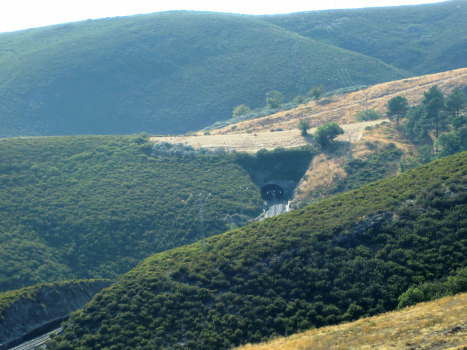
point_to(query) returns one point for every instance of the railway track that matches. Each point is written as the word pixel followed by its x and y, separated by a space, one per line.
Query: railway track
pixel 35 343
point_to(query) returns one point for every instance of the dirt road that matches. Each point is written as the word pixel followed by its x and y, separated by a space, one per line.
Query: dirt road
pixel 252 142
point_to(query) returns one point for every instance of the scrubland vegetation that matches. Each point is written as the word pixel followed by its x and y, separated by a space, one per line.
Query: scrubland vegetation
pixel 92 207
pixel 101 206
pixel 346 257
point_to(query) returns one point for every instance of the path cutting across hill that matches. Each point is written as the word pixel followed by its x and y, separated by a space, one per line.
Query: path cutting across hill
pixel 252 142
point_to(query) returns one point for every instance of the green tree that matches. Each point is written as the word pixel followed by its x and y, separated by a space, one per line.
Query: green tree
pixel 397 108
pixel 274 99
pixel 434 104
pixel 303 126
pixel 316 92
pixel 459 122
pixel 326 133
pixel 299 99
pixel 449 143
pixel 416 128
pixel 455 102
pixel 368 114
pixel 425 154
pixel 241 110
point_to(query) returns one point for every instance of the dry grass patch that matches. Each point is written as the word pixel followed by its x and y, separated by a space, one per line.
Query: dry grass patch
pixel 386 133
pixel 440 324
pixel 254 141
pixel 344 108
pixel 323 171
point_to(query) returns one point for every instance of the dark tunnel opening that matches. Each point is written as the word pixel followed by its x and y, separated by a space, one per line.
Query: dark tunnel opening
pixel 272 191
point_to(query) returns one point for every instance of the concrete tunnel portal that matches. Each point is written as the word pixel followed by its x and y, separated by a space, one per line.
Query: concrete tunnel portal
pixel 270 192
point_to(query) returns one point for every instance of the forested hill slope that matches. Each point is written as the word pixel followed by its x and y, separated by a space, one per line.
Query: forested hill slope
pixel 92 207
pixel 422 39
pixel 160 73
pixel 337 260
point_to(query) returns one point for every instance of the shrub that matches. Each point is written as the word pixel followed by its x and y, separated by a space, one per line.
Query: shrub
pixel 241 110
pixel 434 290
pixel 299 99
pixel 274 99
pixel 316 92
pixel 303 126
pixel 326 133
pixel 367 115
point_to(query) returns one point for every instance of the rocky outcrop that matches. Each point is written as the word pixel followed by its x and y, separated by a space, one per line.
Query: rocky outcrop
pixel 42 304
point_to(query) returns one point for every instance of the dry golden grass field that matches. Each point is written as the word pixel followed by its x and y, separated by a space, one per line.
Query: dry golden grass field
pixel 253 142
pixel 342 109
pixel 440 324
pixel 327 168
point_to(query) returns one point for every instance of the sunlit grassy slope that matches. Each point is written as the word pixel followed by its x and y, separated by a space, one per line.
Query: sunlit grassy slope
pixel 348 256
pixel 439 324
pixel 422 39
pixel 160 73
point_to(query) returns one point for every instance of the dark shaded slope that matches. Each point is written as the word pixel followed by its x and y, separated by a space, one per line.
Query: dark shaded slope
pixel 161 73
pixel 347 256
pixel 422 39
pixel 26 309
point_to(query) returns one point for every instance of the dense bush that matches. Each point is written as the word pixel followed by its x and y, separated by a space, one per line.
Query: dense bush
pixel 367 115
pixel 326 133
pixel 345 257
pixel 434 290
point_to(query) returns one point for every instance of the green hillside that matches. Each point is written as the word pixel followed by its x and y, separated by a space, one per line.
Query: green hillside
pixel 160 73
pixel 337 260
pixel 422 39
pixel 93 207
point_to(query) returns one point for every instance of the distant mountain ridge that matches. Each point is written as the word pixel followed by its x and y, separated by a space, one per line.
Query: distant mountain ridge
pixel 422 39
pixel 174 72
pixel 160 73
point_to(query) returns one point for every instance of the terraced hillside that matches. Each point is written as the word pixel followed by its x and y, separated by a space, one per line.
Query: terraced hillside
pixel 348 256
pixel 161 73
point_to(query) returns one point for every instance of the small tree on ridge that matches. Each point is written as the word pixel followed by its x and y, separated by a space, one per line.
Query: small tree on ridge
pixel 397 108
pixel 303 126
pixel 316 92
pixel 325 134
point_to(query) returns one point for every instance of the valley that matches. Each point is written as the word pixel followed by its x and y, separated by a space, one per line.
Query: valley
pixel 202 181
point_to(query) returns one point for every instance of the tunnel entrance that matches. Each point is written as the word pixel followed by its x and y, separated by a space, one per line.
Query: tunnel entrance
pixel 272 191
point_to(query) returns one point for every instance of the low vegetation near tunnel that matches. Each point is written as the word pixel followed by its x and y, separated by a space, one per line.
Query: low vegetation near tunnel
pixel 345 257
pixel 93 207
